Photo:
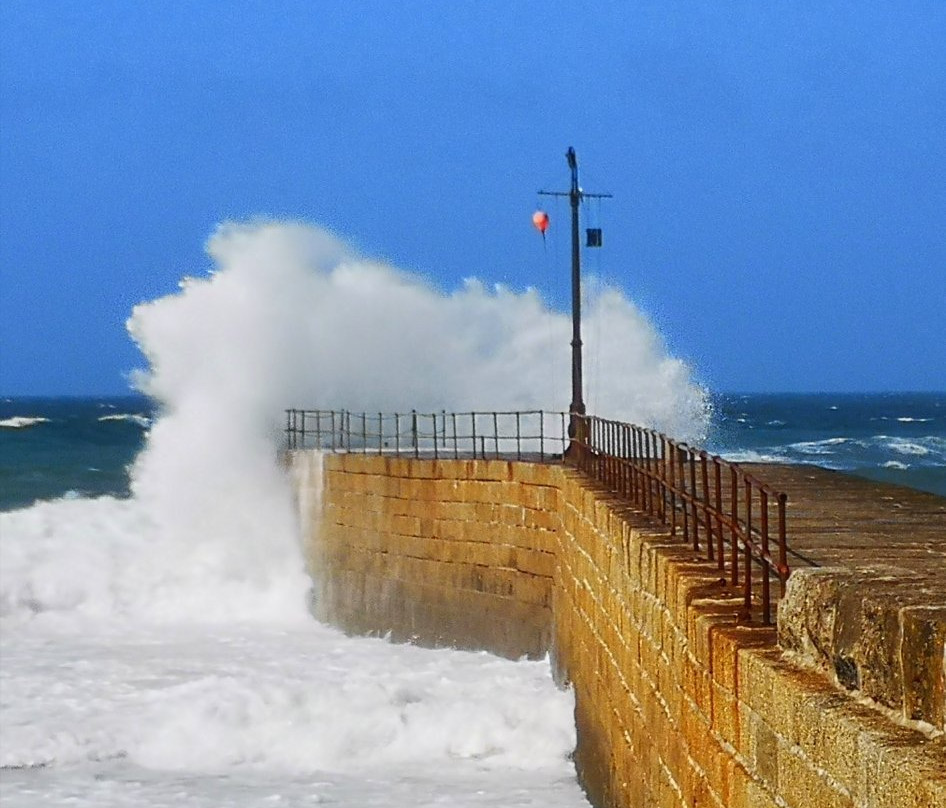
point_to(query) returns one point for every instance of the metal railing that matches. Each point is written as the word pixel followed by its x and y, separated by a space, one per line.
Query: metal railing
pixel 722 511
pixel 522 435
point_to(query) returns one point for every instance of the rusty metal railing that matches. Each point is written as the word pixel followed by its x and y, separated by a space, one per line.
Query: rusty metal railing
pixel 522 435
pixel 721 510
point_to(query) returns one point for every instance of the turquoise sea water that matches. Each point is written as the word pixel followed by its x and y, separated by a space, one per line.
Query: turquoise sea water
pixel 893 437
pixel 68 447
pixel 82 447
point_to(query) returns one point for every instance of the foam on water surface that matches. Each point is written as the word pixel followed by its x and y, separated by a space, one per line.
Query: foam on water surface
pixel 303 712
pixel 22 421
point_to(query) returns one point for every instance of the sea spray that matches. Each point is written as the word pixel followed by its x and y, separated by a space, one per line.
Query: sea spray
pixel 292 316
pixel 168 631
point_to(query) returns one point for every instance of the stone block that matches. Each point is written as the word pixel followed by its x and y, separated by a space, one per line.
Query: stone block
pixel 725 717
pixel 923 659
pixel 897 768
pixel 758 796
pixel 761 747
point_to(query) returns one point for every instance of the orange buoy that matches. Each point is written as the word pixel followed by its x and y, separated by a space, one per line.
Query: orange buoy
pixel 540 219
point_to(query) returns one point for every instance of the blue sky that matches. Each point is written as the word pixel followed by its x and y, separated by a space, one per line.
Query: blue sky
pixel 778 169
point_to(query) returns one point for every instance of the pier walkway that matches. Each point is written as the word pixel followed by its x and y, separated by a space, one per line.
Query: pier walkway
pixel 836 518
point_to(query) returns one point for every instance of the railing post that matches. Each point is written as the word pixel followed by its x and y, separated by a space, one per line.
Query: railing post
pixel 673 487
pixel 694 504
pixel 601 445
pixel 661 465
pixel 609 452
pixel 640 447
pixel 645 470
pixel 782 545
pixel 747 551
pixel 632 460
pixel 682 480
pixel 718 485
pixel 704 494
pixel 655 473
pixel 597 442
pixel 563 436
pixel 766 558
pixel 615 456
pixel 626 467
pixel 602 453
pixel 414 433
pixel 734 527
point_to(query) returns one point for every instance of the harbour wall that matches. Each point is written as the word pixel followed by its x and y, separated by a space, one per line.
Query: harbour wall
pixel 677 702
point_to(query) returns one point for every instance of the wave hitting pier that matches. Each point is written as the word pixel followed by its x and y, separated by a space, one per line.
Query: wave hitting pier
pixel 730 642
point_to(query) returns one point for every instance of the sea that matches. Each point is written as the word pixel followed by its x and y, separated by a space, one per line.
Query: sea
pixel 124 685
pixel 151 660
pixel 156 645
pixel 73 448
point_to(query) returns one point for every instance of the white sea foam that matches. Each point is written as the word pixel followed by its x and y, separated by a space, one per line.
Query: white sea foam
pixel 169 631
pixel 82 562
pixel 756 456
pixel 132 417
pixel 818 447
pixel 22 421
pixel 907 447
pixel 305 713
pixel 852 453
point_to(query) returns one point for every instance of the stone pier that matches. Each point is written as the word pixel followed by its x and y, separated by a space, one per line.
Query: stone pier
pixel 679 700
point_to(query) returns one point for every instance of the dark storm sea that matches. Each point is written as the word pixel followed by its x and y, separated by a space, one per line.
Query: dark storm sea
pixel 83 447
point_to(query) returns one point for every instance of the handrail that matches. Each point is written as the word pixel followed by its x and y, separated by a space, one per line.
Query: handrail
pixel 712 502
pixel 523 434
pixel 720 509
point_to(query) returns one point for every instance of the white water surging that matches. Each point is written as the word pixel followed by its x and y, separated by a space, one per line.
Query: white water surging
pixel 291 317
pixel 169 631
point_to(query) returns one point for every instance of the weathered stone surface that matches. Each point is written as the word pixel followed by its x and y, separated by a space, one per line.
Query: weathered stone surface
pixel 923 657
pixel 874 630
